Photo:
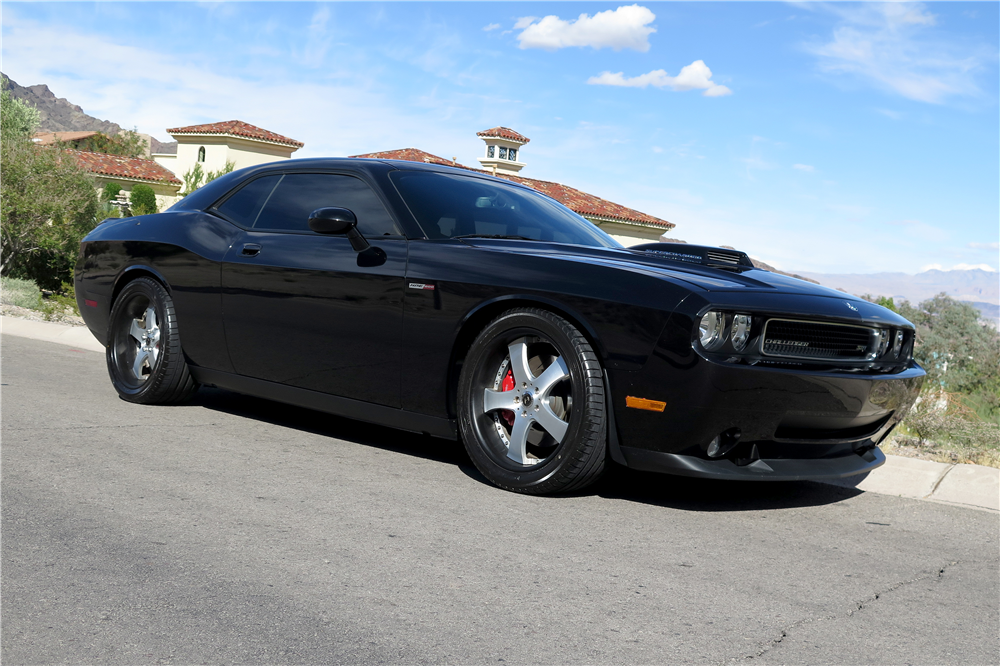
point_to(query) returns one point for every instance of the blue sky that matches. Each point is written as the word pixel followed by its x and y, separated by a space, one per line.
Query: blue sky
pixel 840 137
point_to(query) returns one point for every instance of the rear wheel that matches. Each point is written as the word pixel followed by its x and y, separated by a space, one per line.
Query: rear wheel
pixel 144 353
pixel 531 404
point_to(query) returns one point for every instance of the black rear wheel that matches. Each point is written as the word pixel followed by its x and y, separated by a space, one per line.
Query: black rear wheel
pixel 144 353
pixel 531 404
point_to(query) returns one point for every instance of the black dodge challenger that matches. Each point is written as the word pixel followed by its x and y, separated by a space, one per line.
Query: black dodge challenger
pixel 443 301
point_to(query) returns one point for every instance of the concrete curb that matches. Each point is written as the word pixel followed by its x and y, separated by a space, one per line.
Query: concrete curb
pixel 973 486
pixel 74 336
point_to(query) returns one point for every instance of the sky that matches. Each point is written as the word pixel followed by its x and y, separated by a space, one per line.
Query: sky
pixel 824 137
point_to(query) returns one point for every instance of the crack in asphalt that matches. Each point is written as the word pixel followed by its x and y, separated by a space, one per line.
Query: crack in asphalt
pixel 858 606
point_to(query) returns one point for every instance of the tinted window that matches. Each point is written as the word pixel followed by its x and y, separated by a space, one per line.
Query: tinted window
pixel 449 205
pixel 299 194
pixel 244 206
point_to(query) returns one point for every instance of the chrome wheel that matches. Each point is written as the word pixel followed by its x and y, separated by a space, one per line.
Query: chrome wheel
pixel 530 401
pixel 531 404
pixel 145 331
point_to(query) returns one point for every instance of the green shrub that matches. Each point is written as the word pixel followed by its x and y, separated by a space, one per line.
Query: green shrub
pixel 143 200
pixel 111 191
pixel 47 201
pixel 22 293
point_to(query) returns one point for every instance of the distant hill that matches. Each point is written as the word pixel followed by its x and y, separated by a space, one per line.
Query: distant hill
pixel 57 114
pixel 976 286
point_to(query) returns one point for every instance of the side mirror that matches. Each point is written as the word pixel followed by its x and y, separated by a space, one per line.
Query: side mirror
pixel 337 221
pixel 332 220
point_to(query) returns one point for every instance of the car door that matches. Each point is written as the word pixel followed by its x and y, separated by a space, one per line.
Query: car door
pixel 306 309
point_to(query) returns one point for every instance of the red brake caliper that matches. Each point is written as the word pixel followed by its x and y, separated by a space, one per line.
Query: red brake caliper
pixel 508 385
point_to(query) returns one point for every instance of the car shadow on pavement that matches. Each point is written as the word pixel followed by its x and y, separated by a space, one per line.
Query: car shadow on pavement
pixel 689 494
pixel 328 425
pixel 619 483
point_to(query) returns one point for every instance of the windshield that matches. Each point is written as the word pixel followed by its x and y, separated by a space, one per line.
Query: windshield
pixel 456 206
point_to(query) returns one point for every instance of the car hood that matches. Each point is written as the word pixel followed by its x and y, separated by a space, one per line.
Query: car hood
pixel 703 277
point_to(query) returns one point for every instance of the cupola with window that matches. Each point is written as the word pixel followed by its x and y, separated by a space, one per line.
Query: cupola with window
pixel 503 147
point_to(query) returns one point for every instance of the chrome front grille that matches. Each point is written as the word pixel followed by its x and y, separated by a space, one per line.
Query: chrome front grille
pixel 818 341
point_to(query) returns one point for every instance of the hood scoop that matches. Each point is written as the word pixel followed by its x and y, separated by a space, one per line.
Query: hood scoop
pixel 703 255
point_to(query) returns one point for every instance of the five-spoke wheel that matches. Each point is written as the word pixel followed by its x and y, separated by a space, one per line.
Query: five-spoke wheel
pixel 144 355
pixel 531 405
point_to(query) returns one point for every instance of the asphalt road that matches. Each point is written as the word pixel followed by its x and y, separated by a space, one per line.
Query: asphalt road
pixel 235 530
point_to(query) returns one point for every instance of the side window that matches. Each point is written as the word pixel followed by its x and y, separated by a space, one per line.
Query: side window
pixel 299 194
pixel 244 206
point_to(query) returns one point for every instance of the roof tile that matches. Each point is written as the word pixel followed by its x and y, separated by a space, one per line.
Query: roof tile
pixel 504 133
pixel 124 167
pixel 237 128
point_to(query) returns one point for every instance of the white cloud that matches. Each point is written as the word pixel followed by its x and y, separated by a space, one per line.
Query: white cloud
pixel 985 246
pixel 524 22
pixel 888 45
pixel 622 28
pixel 318 39
pixel 696 76
pixel 491 26
pixel 804 167
pixel 160 90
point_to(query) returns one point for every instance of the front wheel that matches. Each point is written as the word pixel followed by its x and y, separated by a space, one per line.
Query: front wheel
pixel 144 353
pixel 531 404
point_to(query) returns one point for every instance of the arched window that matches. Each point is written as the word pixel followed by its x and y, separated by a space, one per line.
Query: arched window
pixel 201 154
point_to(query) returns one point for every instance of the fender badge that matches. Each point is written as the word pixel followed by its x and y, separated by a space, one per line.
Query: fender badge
pixel 421 285
pixel 851 306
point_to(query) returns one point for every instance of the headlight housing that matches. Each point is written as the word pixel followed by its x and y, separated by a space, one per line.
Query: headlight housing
pixel 740 331
pixel 710 330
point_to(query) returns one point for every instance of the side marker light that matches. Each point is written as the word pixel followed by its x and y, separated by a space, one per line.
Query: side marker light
pixel 90 303
pixel 643 403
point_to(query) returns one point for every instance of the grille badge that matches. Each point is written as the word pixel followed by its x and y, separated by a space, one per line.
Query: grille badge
pixel 851 306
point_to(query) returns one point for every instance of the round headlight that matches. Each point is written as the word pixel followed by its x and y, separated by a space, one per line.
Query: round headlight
pixel 897 344
pixel 710 329
pixel 741 331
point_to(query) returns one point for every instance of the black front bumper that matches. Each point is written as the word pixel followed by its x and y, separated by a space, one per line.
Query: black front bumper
pixel 762 469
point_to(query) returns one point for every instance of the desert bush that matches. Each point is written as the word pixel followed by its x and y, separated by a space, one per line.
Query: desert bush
pixel 959 351
pixel 22 293
pixel 142 200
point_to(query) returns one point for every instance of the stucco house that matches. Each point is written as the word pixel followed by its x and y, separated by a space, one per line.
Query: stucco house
pixel 502 158
pixel 214 144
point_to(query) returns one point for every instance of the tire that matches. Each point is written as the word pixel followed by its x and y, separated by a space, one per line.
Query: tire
pixel 144 353
pixel 531 404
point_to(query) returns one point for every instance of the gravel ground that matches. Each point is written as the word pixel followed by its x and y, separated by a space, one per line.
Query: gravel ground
pixel 34 315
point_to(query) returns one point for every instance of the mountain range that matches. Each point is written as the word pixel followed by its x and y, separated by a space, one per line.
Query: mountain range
pixel 57 114
pixel 976 286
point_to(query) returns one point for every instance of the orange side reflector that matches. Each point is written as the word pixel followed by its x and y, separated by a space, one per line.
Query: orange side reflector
pixel 643 403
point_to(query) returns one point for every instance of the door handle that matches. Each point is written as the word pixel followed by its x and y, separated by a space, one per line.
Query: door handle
pixel 250 250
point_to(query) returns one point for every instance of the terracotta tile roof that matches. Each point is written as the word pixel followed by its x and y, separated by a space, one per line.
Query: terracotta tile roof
pixel 579 202
pixel 410 155
pixel 236 128
pixel 135 168
pixel 49 138
pixel 504 133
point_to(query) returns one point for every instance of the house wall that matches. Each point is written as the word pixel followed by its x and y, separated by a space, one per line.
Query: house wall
pixel 166 194
pixel 629 235
pixel 218 150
